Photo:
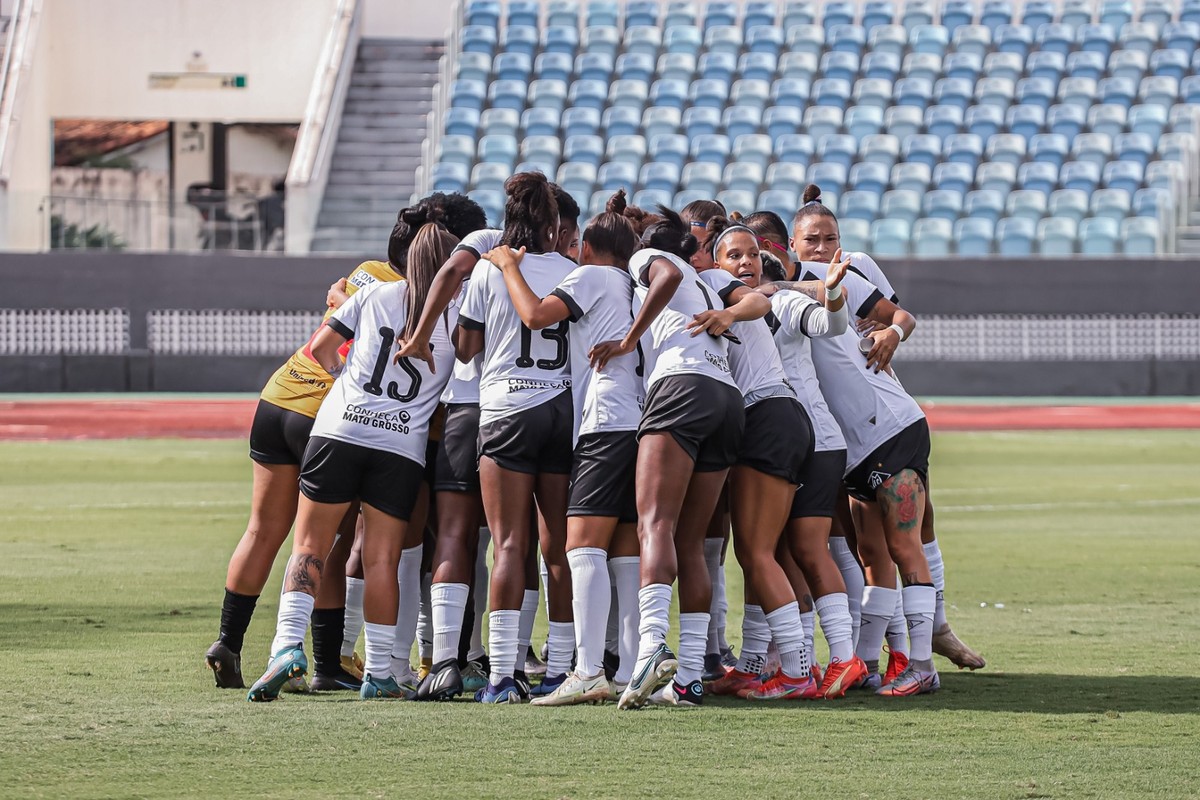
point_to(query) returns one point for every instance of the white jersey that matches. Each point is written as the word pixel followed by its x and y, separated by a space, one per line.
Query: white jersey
pixel 464 383
pixel 794 319
pixel 521 368
pixel 865 266
pixel 870 407
pixel 374 402
pixel 668 346
pixel 609 399
pixel 755 364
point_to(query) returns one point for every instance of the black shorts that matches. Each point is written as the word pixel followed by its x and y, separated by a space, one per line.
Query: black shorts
pixel 278 436
pixel 339 472
pixel 534 440
pixel 602 477
pixel 778 439
pixel 909 449
pixel 820 481
pixel 457 467
pixel 704 415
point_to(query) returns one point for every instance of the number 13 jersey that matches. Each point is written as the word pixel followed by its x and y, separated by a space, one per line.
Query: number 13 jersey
pixel 521 368
pixel 374 402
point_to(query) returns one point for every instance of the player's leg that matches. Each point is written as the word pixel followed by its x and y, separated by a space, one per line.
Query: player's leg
pixel 351 660
pixel 624 564
pixel 383 542
pixel 408 580
pixel 328 620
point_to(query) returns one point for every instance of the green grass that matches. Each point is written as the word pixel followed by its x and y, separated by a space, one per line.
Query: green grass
pixel 112 558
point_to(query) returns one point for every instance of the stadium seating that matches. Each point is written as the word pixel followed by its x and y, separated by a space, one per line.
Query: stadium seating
pixel 967 126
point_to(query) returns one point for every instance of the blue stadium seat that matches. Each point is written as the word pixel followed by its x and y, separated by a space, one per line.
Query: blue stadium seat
pixel 618 121
pixel 872 92
pixel 890 237
pixel 801 66
pixel 497 148
pixel 1181 35
pixel 501 120
pixel 984 204
pixel 709 93
pixel 847 39
pixel 1076 13
pixel 739 201
pixel 859 205
pixel 1189 88
pixel 658 176
pixel 750 93
pixel 602 39
pixel 670 149
pixel 1132 64
pixel 1067 120
pixel 1124 175
pixel 764 40
pixel 996 176
pixel 1184 118
pixel 930 39
pixel 1097 39
pixel 962 66
pixel 1157 12
pixel 758 66
pixel 1015 39
pixel 862 121
pixel 1098 236
pixel 1014 236
pixel 933 238
pixel 869 177
pixel 956 13
pixel 973 39
pixel 719 13
pixel 944 120
pixel 1077 91
pixel 881 66
pixel 1081 175
pixel 784 203
pixel 584 149
pixel 877 13
pixel 954 92
pixel 1025 120
pixel 917 177
pixel 753 148
pixel 699 121
pixel 641 13
pixel 917 13
pixel 518 67
pixel 943 204
pixel 1166 175
pixel 1045 65
pixel 830 177
pixel 712 148
pixel 791 92
pixel 462 121
pixel 561 40
pixel 667 93
pixel 593 67
pixel 588 94
pixel 718 66
pixel 540 122
pixel 513 94
pixel 963 148
pixel 626 149
pixel 602 12
pixel 544 150
pixel 679 12
pixel 837 149
pixel 795 148
pixel 628 94
pixel 1009 66
pixel 760 13
pixel 973 236
pixel 925 66
pixel 1038 12
pixel 468 94
pixel 689 195
pixel 880 148
pixel 683 39
pixel 1116 12
pixel 478 67
pixel 996 92
pixel 1057 236
pixel 479 39
pixel 902 121
pixel 785 176
pixel 1138 37
pixel 723 39
pixel 915 92
pixel 1026 203
pixel 1177 147
pixel 482 12
pixel 1039 176
pixel 1171 63
pixel 1055 38
pixel 451 177
pixel 799 12
pixel 1140 236
pixel 563 12
pixel 636 67
pixel 651 198
pixel 950 175
pixel 822 121
pixel 523 13
pixel 1049 148
pixel 643 39
pixel 1069 204
pixel 996 13
pixel 806 39
pixel 923 149
pixel 658 120
pixel 781 120
pixel 519 39
pixel 1120 91
pixel 615 175
pixel 1155 203
pixel 677 67
pixel 1094 148
pixel 838 12
pixel 1087 64
pixel 840 66
pixel 906 205
pixel 1151 120
pixel 855 235
pixel 702 176
pixel 828 92
pixel 577 179
pixel 888 39
pixel 1136 147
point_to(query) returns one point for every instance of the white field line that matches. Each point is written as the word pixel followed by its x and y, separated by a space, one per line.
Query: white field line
pixel 1081 504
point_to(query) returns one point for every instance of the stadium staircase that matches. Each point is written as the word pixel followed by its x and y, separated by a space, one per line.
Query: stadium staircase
pixel 378 148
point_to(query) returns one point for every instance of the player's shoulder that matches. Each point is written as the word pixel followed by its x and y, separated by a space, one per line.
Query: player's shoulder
pixel 369 273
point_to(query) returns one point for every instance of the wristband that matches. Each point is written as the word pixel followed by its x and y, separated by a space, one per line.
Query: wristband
pixel 833 293
pixel 899 331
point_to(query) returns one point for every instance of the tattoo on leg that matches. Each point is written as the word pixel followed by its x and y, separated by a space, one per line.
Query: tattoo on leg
pixel 909 579
pixel 902 497
pixel 303 574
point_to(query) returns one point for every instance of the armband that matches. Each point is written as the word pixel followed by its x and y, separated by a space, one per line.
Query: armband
pixel 833 293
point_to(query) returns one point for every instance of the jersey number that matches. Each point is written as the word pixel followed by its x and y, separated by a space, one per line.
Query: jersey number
pixel 558 335
pixel 375 384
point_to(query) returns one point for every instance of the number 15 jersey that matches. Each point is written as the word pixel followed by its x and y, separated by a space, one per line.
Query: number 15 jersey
pixel 521 368
pixel 374 402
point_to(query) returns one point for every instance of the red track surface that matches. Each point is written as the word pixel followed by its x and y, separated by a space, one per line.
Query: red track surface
pixel 223 419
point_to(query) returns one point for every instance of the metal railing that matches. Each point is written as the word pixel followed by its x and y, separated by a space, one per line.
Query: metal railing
pixel 18 58
pixel 436 120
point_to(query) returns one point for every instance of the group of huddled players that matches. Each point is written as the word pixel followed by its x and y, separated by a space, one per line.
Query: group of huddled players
pixel 620 401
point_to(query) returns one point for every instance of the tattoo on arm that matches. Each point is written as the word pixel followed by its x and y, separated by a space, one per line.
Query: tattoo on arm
pixel 803 287
pixel 303 574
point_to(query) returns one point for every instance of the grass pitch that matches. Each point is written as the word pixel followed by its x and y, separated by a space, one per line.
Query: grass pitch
pixel 1073 565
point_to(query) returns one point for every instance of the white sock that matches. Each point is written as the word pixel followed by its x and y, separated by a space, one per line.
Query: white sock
pixel 808 620
pixel 693 637
pixel 756 638
pixel 449 601
pixel 408 575
pixel 919 602
pixel 937 569
pixel 295 610
pixel 624 572
pixel 481 595
pixel 722 612
pixel 591 596
pixel 528 612
pixel 852 576
pixel 425 618
pixel 654 613
pixel 354 614
pixel 834 610
pixel 503 633
pixel 712 560
pixel 897 629
pixel 560 648
pixel 380 641
pixel 878 604
pixel 788 632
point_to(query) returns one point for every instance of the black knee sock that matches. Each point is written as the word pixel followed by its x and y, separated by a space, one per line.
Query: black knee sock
pixel 236 611
pixel 328 627
pixel 468 629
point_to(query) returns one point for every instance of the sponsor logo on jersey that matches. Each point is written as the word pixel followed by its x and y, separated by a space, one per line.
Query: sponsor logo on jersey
pixel 718 361
pixel 384 420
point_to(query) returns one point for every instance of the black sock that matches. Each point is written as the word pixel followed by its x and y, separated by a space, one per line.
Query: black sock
pixel 468 629
pixel 328 628
pixel 236 611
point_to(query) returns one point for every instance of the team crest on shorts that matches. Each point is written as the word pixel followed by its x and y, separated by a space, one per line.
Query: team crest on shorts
pixel 876 479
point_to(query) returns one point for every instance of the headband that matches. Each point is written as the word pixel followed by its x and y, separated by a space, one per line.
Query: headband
pixel 731 229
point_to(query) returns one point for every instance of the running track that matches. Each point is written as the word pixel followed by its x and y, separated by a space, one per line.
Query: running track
pixel 55 418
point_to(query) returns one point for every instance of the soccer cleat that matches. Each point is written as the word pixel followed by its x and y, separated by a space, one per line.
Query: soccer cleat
pixel 713 668
pixel 575 690
pixel 910 682
pixel 353 664
pixel 475 675
pixel 781 687
pixel 383 689
pixel 226 666
pixel 285 666
pixel 340 681
pixel 672 694
pixel 616 689
pixel 842 675
pixel 505 692
pixel 425 668
pixel 946 644
pixel 897 663
pixel 653 672
pixel 533 664
pixel 443 682
pixel 547 686
pixel 297 686
pixel 735 683
pixel 728 658
pixel 817 674
pixel 523 685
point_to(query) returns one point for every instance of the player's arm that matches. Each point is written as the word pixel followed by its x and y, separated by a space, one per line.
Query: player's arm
pixel 536 312
pixel 326 344
pixel 662 279
pixel 813 289
pixel 742 304
pixel 445 284
pixel 894 326
pixel 337 294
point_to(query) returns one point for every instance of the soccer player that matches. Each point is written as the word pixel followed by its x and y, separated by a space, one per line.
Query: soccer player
pixel 368 443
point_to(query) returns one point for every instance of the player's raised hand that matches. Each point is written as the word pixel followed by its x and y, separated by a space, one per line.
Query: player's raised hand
pixel 837 270
pixel 337 294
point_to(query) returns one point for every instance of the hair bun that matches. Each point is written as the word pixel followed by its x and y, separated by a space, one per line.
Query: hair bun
pixel 812 193
pixel 616 204
pixel 735 216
